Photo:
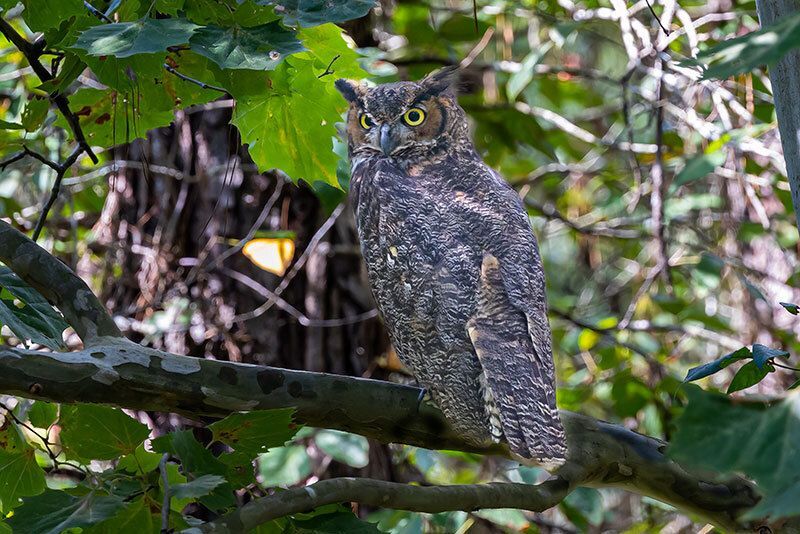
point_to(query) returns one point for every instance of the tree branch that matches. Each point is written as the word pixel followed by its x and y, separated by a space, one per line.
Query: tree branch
pixel 125 374
pixel 428 499
pixel 57 283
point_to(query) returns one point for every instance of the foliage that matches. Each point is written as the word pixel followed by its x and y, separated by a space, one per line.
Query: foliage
pixel 718 443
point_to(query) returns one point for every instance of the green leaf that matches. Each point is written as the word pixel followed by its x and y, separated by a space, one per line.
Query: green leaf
pixel 42 15
pixel 195 458
pixel 708 369
pixel 748 375
pixel 94 432
pixel 757 439
pixel 135 518
pixel 109 118
pixel 43 414
pixel 20 476
pixel 259 48
pixel 316 12
pixel 144 36
pixel 196 488
pixel 56 511
pixel 5 125
pixel 326 43
pixel 335 523
pixel 34 114
pixel 794 309
pixel 284 466
pixel 255 432
pixel 746 53
pixel 344 447
pixel 292 127
pixel 199 461
pixel 762 354
pixel 37 320
pixel 139 461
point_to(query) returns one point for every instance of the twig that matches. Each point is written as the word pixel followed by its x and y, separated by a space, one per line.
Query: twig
pixel 16 157
pixel 653 11
pixel 189 79
pixel 475 14
pixel 328 70
pixel 394 495
pixel 165 503
pixel 61 170
pixel 657 193
pixel 96 12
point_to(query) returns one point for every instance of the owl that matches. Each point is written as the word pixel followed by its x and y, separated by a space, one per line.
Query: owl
pixel 453 265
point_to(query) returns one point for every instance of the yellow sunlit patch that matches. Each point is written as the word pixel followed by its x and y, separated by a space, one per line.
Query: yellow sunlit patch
pixel 271 254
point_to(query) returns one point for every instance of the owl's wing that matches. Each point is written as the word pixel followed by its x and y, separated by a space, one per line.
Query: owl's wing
pixel 512 342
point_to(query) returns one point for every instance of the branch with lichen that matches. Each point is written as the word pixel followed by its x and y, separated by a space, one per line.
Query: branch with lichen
pixel 113 370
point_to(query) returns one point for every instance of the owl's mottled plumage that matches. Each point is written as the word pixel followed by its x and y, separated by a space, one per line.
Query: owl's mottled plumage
pixel 454 266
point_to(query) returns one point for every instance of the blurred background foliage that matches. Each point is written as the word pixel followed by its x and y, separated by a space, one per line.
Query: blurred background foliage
pixel 657 190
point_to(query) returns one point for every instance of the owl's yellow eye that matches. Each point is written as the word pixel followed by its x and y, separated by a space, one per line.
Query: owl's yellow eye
pixel 414 117
pixel 365 121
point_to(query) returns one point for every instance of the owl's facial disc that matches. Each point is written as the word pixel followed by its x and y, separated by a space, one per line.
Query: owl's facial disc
pixel 397 119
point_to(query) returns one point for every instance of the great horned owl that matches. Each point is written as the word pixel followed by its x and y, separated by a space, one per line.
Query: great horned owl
pixel 453 265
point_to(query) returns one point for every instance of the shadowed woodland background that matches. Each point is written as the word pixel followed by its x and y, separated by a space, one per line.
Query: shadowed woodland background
pixel 659 199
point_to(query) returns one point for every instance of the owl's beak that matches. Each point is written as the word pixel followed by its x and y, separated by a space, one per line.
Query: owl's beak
pixel 387 140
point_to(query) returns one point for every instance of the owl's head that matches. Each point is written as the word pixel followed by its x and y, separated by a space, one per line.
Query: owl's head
pixel 404 119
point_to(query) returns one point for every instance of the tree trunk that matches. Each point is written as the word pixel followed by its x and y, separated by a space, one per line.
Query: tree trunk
pixel 785 78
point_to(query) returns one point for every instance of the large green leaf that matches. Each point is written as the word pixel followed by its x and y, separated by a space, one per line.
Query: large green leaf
pixel 748 375
pixel 135 518
pixel 284 466
pixel 144 36
pixel 758 439
pixel 199 461
pixel 291 127
pixel 257 48
pixel 327 45
pixel 350 449
pixel 746 53
pixel 196 488
pixel 56 511
pixel 94 432
pixel 20 475
pixel 253 433
pixel 41 322
pixel 41 15
pixel 316 12
pixel 334 523
pixel 43 414
pixel 109 118
pixel 708 369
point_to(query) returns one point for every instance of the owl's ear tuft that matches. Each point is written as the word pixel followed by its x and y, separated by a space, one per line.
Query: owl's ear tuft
pixel 352 91
pixel 440 81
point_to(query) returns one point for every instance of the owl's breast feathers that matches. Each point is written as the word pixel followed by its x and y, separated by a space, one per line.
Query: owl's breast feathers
pixel 456 273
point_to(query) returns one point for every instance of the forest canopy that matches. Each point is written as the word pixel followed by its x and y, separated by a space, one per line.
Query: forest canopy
pixel 180 167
